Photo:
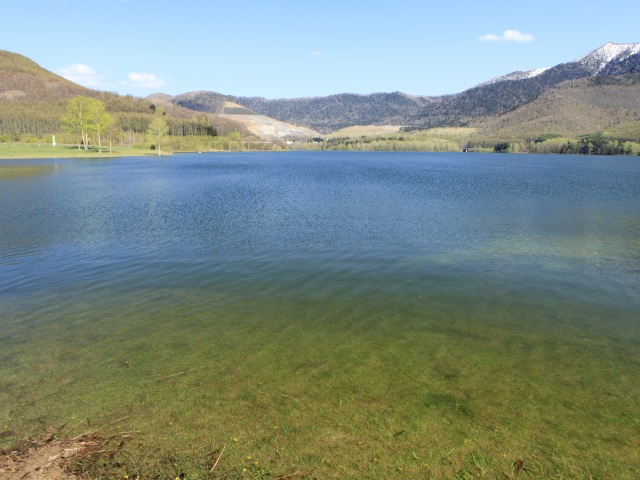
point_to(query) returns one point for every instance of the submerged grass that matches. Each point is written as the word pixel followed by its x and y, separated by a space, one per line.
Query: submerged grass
pixel 282 388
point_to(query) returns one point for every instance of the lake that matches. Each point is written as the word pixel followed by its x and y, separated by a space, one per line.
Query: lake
pixel 343 314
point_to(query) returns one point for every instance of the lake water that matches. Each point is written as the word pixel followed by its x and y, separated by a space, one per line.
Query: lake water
pixel 524 268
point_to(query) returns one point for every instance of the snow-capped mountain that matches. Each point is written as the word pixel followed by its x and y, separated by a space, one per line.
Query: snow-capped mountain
pixel 520 75
pixel 508 92
pixel 494 97
pixel 597 60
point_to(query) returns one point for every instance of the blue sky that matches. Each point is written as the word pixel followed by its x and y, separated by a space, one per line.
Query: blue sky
pixel 287 48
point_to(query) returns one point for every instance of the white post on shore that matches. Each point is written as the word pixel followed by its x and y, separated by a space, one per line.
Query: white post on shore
pixel 54 140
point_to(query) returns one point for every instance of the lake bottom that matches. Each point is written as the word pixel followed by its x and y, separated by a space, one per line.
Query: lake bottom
pixel 361 384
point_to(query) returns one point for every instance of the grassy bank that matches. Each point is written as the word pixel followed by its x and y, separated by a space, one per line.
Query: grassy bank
pixel 35 150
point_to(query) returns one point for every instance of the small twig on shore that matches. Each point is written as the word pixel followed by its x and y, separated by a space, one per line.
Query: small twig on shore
pixel 73 427
pixel 290 398
pixel 122 435
pixel 95 432
pixel 179 373
pixel 217 459
pixel 172 375
pixel 294 474
pixel 113 423
pixel 94 435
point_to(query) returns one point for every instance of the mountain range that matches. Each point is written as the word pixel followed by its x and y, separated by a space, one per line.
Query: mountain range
pixel 495 97
pixel 596 92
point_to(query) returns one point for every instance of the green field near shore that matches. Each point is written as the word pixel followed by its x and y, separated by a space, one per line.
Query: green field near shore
pixel 43 150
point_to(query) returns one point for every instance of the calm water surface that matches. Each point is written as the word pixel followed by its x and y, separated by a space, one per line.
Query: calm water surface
pixel 319 224
pixel 99 259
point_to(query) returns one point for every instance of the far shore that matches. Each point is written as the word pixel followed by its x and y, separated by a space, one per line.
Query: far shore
pixel 9 151
pixel 25 151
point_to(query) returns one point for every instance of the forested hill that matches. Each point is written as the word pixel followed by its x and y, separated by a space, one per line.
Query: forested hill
pixel 326 114
pixel 21 77
pixel 573 109
pixel 33 100
pixel 494 97
pixel 209 102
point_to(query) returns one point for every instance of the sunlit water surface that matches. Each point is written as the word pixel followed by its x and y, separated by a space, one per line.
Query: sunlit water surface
pixel 154 262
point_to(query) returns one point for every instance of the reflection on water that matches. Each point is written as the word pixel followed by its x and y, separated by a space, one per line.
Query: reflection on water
pixel 18 171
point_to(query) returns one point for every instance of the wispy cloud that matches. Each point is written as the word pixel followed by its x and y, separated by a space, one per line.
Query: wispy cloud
pixel 145 80
pixel 83 75
pixel 317 53
pixel 508 36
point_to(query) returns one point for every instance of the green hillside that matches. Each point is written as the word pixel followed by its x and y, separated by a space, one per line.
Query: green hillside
pixel 590 115
pixel 606 106
pixel 573 108
pixel 33 100
pixel 21 76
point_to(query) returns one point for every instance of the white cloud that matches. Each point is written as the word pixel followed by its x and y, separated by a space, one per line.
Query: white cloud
pixel 516 36
pixel 83 75
pixel 490 37
pixel 145 80
pixel 508 36
pixel 316 53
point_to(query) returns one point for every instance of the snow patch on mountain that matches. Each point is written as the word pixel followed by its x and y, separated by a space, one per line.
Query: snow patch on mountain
pixel 598 59
pixel 521 75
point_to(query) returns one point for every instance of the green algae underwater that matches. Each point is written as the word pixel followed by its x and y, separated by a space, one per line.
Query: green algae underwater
pixel 326 316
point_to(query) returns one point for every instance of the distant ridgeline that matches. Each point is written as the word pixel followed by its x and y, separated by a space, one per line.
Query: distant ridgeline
pixel 494 97
pixel 326 114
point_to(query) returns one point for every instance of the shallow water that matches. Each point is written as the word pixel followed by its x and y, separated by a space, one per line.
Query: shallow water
pixel 307 267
